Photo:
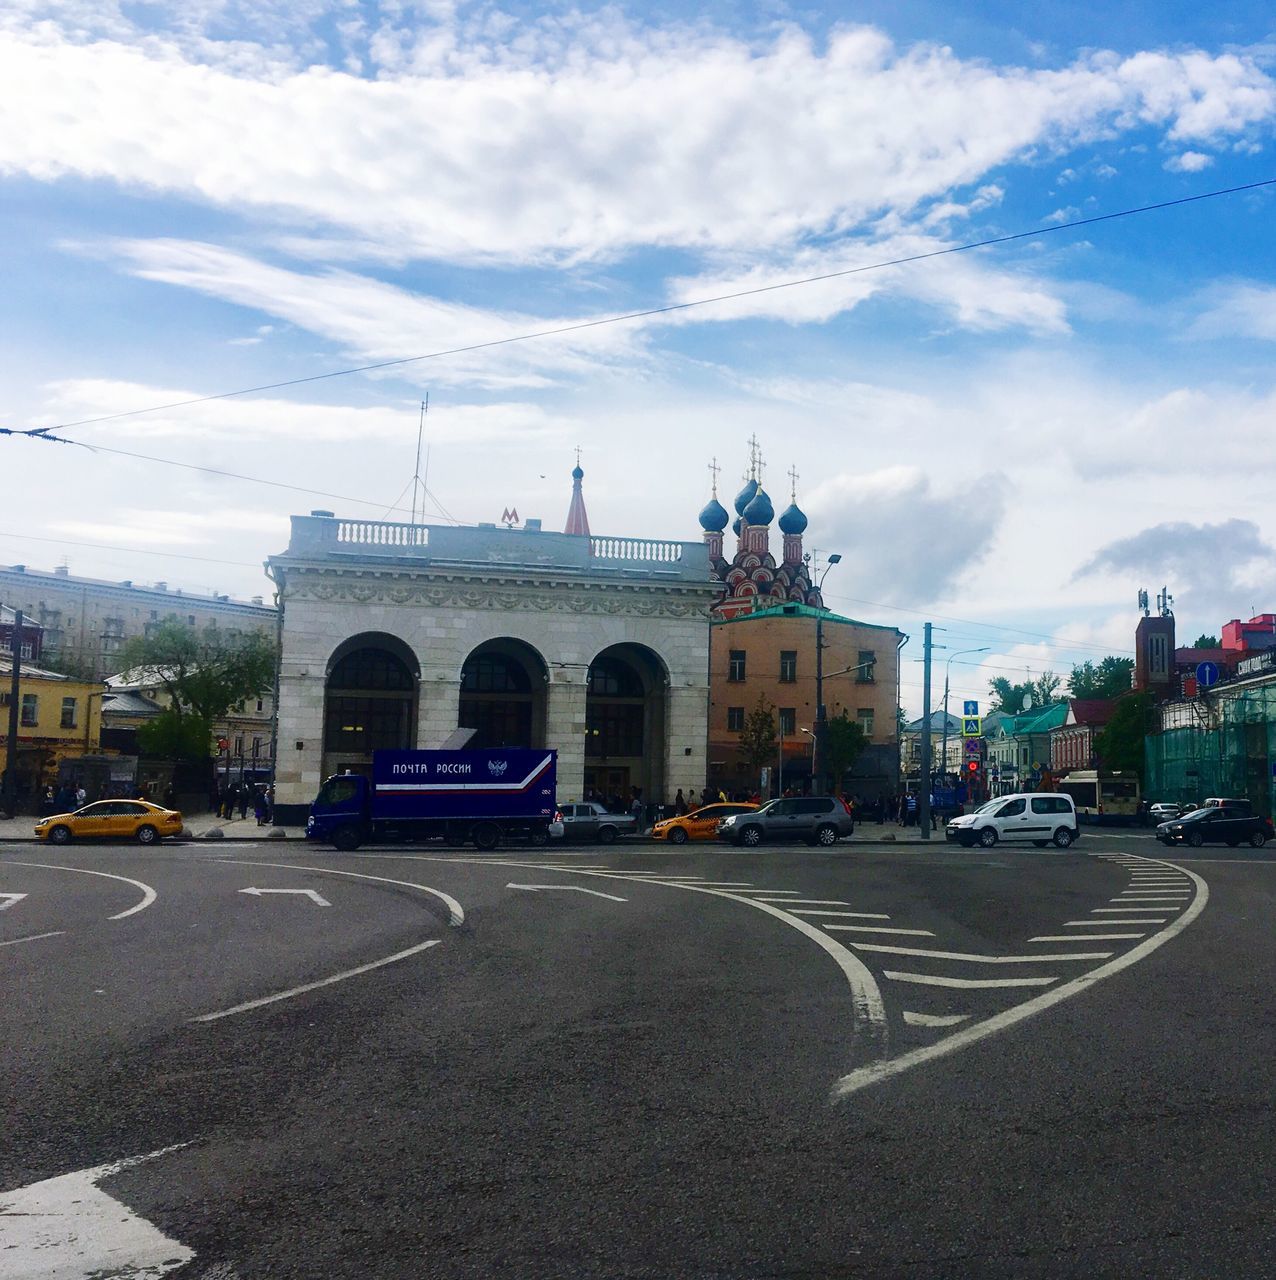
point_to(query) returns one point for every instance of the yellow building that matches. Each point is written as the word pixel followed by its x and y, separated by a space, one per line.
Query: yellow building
pixel 59 718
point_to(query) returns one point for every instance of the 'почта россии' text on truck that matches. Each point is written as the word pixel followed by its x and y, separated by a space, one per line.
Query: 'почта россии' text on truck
pixel 459 796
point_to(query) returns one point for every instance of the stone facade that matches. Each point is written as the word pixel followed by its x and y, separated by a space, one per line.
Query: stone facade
pixel 441 592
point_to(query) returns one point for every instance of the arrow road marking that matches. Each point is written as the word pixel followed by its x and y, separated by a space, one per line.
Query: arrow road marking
pixel 309 893
pixel 567 888
pixel 9 899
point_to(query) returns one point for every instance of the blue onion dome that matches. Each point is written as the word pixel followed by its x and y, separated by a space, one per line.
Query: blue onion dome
pixel 577 473
pixel 745 496
pixel 735 526
pixel 759 511
pixel 714 517
pixel 793 520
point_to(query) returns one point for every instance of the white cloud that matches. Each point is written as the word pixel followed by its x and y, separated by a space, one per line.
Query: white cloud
pixel 1189 162
pixel 1238 310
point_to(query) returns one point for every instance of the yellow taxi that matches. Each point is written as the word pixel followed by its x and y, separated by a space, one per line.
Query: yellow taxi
pixel 111 820
pixel 699 824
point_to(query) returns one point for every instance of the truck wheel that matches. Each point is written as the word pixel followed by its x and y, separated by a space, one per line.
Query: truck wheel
pixel 539 836
pixel 347 837
pixel 606 835
pixel 486 836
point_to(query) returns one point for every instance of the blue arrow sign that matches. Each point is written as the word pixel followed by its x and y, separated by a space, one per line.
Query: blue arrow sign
pixel 1207 674
pixel 970 708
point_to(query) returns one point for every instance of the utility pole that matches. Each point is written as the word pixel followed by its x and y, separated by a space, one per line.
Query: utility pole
pixel 10 787
pixel 821 722
pixel 923 794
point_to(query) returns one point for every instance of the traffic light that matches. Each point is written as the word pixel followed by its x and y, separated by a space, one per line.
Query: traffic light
pixel 972 768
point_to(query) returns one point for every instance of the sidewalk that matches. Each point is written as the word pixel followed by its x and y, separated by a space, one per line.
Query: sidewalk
pixel 197 828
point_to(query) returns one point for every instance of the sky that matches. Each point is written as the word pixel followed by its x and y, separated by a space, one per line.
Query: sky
pixel 1011 441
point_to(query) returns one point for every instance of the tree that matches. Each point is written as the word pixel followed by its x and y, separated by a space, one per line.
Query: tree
pixel 844 743
pixel 1120 744
pixel 172 736
pixel 757 738
pixel 1008 697
pixel 1205 642
pixel 1110 678
pixel 205 674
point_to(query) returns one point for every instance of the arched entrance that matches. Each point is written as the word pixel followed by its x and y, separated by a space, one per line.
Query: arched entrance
pixel 625 725
pixel 369 701
pixel 503 684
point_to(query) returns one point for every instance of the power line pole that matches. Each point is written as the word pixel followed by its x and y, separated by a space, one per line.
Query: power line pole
pixel 10 787
pixel 923 783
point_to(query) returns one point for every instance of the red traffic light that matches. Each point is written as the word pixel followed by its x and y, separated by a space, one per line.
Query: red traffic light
pixel 972 766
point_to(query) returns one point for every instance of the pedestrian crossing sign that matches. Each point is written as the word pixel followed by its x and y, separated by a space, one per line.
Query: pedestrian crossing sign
pixel 972 726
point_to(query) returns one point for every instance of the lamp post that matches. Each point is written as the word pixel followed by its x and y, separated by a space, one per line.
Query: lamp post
pixel 948 666
pixel 810 735
pixel 817 742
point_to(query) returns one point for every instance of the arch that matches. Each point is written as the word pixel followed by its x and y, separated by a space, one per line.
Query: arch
pixel 504 685
pixel 626 711
pixel 370 700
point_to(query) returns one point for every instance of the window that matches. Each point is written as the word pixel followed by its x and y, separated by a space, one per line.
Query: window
pixel 867 664
pixel 735 667
pixel 30 709
pixel 735 719
pixel 788 722
pixel 864 718
pixel 1050 804
pixel 261 704
pixel 68 713
pixel 1011 810
pixel 811 806
pixel 788 666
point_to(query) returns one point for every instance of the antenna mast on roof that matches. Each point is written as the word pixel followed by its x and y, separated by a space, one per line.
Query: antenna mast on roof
pixel 419 485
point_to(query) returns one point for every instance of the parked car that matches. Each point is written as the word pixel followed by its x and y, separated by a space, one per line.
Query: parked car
pixel 700 824
pixel 111 820
pixel 1216 824
pixel 589 820
pixel 1164 810
pixel 1038 816
pixel 815 819
pixel 1236 805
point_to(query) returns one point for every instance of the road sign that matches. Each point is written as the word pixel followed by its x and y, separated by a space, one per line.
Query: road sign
pixel 974 746
pixel 1206 674
pixel 971 726
pixel 970 708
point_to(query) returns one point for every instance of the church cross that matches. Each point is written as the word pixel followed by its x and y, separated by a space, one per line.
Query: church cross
pixel 793 476
pixel 714 469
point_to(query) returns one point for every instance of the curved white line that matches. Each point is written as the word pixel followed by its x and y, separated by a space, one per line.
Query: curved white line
pixel 866 996
pixel 33 937
pixel 456 913
pixel 148 894
pixel 877 1071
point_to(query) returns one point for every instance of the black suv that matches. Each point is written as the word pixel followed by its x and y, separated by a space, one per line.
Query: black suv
pixel 1216 824
pixel 815 819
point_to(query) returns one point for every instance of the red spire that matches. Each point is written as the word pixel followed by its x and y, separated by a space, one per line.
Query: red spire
pixel 577 518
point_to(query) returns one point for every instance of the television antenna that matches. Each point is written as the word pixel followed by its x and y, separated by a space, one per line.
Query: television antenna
pixel 420 485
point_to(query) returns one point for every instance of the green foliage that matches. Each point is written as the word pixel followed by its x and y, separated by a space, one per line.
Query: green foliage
pixel 1008 697
pixel 1120 745
pixel 758 737
pixel 1206 642
pixel 844 743
pixel 171 736
pixel 1110 678
pixel 205 673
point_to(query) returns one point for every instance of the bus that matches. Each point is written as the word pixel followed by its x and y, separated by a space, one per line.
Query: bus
pixel 1103 797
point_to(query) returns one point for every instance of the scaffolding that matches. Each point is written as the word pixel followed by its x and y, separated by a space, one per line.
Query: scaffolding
pixel 1229 752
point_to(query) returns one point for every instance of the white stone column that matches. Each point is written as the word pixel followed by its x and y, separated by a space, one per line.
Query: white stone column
pixel 298 770
pixel 686 764
pixel 438 705
pixel 565 730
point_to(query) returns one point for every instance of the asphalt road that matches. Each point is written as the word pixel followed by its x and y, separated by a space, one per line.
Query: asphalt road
pixel 872 1061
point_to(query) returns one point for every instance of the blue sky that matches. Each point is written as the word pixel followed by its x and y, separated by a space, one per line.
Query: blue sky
pixel 209 196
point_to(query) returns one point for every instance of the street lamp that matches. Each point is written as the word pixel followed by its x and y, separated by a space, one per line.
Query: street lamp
pixel 817 739
pixel 810 735
pixel 948 666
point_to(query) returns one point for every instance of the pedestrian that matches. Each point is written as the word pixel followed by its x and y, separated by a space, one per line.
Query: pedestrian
pixel 640 817
pixel 261 810
pixel 679 804
pixel 81 796
pixel 911 816
pixel 691 799
pixel 245 797
pixel 232 798
pixel 270 803
pixel 722 796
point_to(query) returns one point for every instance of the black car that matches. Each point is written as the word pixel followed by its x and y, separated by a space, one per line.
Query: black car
pixel 1216 825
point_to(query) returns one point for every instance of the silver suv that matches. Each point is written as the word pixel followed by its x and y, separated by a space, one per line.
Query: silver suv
pixel 815 819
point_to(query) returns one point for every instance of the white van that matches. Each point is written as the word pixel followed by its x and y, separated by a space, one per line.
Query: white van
pixel 1039 816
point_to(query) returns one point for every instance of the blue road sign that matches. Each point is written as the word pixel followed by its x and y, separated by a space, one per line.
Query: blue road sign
pixel 970 708
pixel 1207 674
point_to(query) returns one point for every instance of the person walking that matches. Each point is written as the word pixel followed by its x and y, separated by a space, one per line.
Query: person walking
pixel 245 796
pixel 640 815
pixel 232 798
pixel 679 804
pixel 261 810
pixel 911 818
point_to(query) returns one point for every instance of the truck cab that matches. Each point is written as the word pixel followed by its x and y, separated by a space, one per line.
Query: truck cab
pixel 340 812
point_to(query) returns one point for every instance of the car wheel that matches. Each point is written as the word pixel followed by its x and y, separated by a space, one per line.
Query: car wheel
pixel 987 837
pixel 60 835
pixel 677 836
pixel 347 838
pixel 1195 840
pixel 1258 839
pixel 539 836
pixel 1040 844
pixel 1063 837
pixel 751 837
pixel 606 835
pixel 826 835
pixel 146 835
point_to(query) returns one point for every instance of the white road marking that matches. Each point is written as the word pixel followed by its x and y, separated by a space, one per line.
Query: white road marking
pixel 314 896
pixel 890 949
pixel 8 900
pixel 877 928
pixel 883 1069
pixel 148 894
pixel 68 1228
pixel 566 888
pixel 33 937
pixel 805 902
pixel 932 980
pixel 1084 937
pixel 1104 924
pixel 456 913
pixel 845 915
pixel 314 986
pixel 1124 911
pixel 933 1019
